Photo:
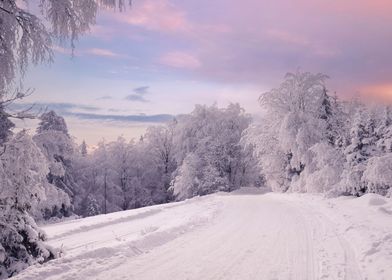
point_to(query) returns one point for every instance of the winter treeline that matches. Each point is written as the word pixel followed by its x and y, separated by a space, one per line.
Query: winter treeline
pixel 195 154
pixel 310 141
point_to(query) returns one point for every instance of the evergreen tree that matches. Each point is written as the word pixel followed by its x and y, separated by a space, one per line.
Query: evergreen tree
pixel 356 152
pixel 50 121
pixel 384 131
pixel 83 149
pixel 92 206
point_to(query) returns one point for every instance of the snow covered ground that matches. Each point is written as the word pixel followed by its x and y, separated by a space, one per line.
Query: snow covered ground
pixel 243 235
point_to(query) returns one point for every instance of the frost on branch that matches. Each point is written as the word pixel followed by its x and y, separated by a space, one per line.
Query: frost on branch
pixel 27 38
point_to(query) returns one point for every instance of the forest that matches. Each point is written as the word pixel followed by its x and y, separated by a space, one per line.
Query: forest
pixel 306 141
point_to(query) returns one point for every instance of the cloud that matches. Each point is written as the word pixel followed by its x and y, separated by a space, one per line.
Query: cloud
pixel 287 37
pixel 105 97
pixel 71 110
pixel 178 59
pixel 160 118
pixel 102 52
pixel 141 90
pixel 254 42
pixel 157 15
pixel 136 97
pixel 63 50
pixel 92 51
pixel 58 107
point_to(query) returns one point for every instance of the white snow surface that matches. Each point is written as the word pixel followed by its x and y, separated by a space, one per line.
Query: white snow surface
pixel 243 235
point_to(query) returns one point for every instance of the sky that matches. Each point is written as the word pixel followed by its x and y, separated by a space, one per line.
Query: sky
pixel 161 57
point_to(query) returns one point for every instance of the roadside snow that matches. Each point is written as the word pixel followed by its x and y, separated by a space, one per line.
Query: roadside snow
pixel 243 235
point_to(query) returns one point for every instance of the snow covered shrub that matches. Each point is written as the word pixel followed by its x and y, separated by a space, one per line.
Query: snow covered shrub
pixel 21 241
pixel 186 183
pixel 328 163
pixel 92 206
pixel 197 178
pixel 351 183
pixel 377 176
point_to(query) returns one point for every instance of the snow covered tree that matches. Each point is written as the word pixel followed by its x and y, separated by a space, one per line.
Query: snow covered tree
pixel 119 159
pixel 23 187
pixel 299 92
pixel 356 153
pixel 85 173
pixel 186 183
pixel 104 182
pixel 378 174
pixel 160 144
pixel 312 142
pixel 296 117
pixel 55 143
pixel 331 111
pixel 209 151
pixel 121 175
pixel 92 206
pixel 384 131
pixel 21 241
pixel 23 180
pixel 50 121
pixel 326 174
pixel 83 149
pixel 146 176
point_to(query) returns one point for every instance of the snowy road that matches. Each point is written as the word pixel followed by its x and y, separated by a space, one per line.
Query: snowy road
pixel 229 236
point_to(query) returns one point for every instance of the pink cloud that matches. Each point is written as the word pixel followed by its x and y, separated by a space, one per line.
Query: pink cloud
pixel 180 60
pixel 62 50
pixel 287 37
pixel 93 51
pixel 326 52
pixel 363 8
pixel 256 41
pixel 158 15
pixel 102 52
